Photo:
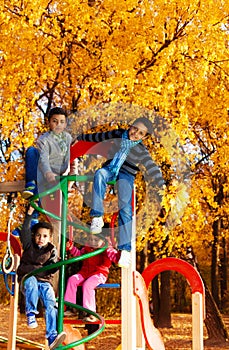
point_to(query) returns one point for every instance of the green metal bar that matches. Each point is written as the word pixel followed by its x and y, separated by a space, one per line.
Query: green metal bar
pixel 34 199
pixel 64 211
pixel 66 262
pixel 78 178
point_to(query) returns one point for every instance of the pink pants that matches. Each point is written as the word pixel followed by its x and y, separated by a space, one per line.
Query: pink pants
pixel 88 287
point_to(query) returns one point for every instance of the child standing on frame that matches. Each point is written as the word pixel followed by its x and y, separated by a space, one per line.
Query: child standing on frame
pixel 124 157
pixel 38 251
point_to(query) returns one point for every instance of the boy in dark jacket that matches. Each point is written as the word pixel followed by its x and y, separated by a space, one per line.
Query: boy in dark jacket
pixel 39 252
pixel 124 157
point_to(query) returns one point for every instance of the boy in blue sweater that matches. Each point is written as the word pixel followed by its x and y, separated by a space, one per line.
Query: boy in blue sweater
pixel 124 157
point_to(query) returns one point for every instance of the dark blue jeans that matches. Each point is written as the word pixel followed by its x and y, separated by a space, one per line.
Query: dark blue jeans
pixel 125 183
pixel 33 290
pixel 31 164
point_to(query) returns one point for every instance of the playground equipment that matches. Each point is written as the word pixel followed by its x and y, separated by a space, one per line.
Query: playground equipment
pixel 197 289
pixel 8 262
pixel 137 326
pixel 132 337
pixel 141 282
pixel 133 285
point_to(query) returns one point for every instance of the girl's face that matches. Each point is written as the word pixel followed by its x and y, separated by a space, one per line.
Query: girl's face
pixel 57 123
pixel 138 131
pixel 42 237
pixel 94 241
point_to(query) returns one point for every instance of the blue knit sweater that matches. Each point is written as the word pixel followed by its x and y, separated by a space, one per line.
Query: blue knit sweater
pixel 138 155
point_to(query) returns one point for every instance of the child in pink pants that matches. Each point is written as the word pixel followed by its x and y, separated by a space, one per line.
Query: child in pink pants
pixel 94 271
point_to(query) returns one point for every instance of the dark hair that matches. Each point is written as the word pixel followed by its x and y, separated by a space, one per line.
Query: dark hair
pixel 145 121
pixel 56 110
pixel 42 224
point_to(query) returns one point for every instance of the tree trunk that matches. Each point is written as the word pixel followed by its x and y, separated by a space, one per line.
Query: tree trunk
pixel 214 264
pixel 141 260
pixel 160 305
pixel 217 332
pixel 155 304
pixel 165 304
pixel 223 272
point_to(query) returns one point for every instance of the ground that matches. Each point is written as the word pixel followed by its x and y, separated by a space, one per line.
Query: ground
pixel 179 337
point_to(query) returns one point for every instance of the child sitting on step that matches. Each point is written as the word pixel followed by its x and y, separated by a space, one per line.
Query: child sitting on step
pixel 93 272
pixel 50 157
pixel 38 251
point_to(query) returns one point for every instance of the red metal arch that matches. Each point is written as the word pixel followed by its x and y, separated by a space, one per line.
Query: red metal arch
pixel 181 266
pixel 13 241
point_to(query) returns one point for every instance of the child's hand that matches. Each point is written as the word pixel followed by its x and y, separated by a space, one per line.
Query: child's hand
pixel 74 142
pixel 50 177
pixel 69 245
pixel 30 210
pixel 113 254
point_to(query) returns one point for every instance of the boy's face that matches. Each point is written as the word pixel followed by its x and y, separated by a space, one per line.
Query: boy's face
pixel 57 123
pixel 138 131
pixel 42 237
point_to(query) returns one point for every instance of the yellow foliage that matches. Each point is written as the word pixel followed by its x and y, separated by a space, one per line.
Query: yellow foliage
pixel 108 62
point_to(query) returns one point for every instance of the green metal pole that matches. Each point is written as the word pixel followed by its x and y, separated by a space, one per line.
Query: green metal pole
pixel 63 186
pixel 64 209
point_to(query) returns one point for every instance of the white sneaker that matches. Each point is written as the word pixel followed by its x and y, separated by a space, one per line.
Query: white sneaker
pixel 31 320
pixel 96 225
pixel 125 259
pixel 90 318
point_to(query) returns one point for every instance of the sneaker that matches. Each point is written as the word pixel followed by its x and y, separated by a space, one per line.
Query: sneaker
pixel 90 318
pixel 69 312
pixel 56 340
pixel 31 320
pixel 82 315
pixel 33 222
pixel 96 225
pixel 125 259
pixel 17 231
pixel 35 214
pixel 30 190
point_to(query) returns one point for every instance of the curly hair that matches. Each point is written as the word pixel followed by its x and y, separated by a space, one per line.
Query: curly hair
pixel 42 224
